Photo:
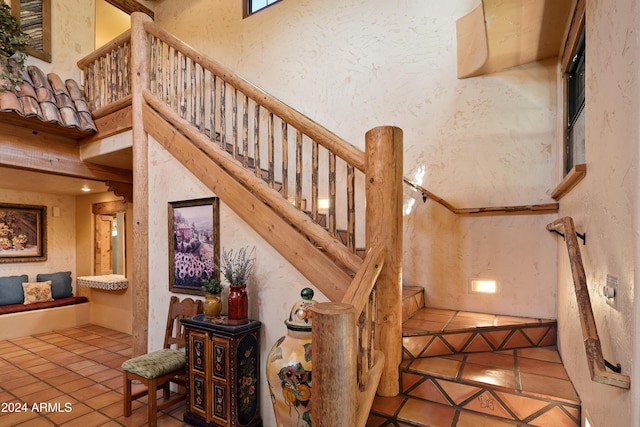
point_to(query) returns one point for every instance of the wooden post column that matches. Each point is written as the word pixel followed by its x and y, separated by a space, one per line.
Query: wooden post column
pixel 140 268
pixel 335 395
pixel 383 169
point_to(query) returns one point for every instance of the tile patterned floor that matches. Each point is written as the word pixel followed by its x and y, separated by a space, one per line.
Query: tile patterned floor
pixel 523 387
pixel 438 332
pixel 70 377
pixel 464 369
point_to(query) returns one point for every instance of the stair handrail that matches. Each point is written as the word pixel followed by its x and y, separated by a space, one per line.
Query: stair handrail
pixel 384 157
pixel 297 218
pixel 345 363
pixel 322 135
pixel 592 346
pixel 540 208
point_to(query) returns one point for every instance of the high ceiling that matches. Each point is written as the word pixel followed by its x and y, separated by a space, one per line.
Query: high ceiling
pixel 22 180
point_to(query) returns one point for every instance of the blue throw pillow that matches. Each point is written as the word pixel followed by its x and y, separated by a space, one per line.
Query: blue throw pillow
pixel 60 283
pixel 11 289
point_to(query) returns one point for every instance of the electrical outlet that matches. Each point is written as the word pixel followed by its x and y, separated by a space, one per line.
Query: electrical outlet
pixel 611 291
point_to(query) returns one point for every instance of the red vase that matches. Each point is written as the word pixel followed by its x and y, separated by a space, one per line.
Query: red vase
pixel 238 306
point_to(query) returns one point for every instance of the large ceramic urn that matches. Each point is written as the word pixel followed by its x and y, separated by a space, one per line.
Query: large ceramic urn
pixel 289 367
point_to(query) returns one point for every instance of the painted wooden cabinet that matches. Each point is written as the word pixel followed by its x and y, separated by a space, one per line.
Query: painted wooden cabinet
pixel 223 372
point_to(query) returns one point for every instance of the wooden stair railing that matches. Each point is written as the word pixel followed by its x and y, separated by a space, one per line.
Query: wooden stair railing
pixel 197 109
pixel 593 349
pixel 346 365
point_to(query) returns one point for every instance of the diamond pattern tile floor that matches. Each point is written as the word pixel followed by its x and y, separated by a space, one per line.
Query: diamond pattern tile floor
pixel 464 369
pixel 70 377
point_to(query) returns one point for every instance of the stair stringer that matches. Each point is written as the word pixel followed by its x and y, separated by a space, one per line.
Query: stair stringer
pixel 312 263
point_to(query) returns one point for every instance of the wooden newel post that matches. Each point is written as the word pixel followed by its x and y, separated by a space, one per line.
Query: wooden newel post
pixel 140 268
pixel 383 169
pixel 334 351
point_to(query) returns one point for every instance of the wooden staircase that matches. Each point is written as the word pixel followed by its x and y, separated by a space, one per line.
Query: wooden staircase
pixel 463 369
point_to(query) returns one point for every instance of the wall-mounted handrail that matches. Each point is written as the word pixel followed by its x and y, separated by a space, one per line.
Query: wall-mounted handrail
pixel 544 208
pixel 592 346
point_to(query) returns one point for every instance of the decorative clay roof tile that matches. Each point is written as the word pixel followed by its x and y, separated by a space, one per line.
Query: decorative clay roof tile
pixel 50 100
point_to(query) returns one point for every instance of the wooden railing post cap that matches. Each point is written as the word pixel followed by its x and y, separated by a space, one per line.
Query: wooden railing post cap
pixel 385 128
pixel 332 308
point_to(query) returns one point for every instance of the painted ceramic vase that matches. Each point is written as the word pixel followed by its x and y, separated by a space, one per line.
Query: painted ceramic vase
pixel 238 305
pixel 212 306
pixel 289 367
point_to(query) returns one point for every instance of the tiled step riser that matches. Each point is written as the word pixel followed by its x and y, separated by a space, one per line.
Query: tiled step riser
pixel 412 301
pixel 526 410
pixel 480 340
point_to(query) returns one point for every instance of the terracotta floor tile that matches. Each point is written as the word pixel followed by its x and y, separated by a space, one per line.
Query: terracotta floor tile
pixel 548 387
pixel 510 320
pixel 427 390
pixel 17 418
pixel 437 366
pixel 76 384
pixel 43 395
pixel 423 325
pixel 503 361
pixel 37 422
pixel 24 390
pixel 65 378
pixel 375 421
pixel 387 405
pixel 550 354
pixel 488 375
pixel 92 419
pixel 104 399
pixel 426 413
pixel 88 392
pixel 469 419
pixel 471 315
pixel 541 367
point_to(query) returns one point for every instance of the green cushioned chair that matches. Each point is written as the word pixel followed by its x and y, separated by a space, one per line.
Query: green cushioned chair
pixel 161 368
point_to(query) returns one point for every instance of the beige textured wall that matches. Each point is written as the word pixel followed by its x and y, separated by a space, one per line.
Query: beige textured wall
pixel 72 37
pixel 487 141
pixel 355 65
pixel 274 286
pixel 605 206
pixel 61 235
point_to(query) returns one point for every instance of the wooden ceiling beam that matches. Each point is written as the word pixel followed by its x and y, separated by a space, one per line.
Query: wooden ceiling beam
pixel 28 149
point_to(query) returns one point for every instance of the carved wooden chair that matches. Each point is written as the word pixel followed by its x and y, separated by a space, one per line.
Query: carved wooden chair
pixel 160 368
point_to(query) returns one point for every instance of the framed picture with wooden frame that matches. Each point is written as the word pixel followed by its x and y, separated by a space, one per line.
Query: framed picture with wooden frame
pixel 35 20
pixel 23 231
pixel 194 244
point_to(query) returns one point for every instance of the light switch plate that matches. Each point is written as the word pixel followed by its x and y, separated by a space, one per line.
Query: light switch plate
pixel 613 283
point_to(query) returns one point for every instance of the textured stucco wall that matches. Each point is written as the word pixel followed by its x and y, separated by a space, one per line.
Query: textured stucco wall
pixel 274 286
pixel 72 37
pixel 604 205
pixel 355 65
pixel 488 141
pixel 61 234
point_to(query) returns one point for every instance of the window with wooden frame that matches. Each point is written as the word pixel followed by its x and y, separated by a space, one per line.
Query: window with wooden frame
pixel 35 20
pixel 249 7
pixel 573 63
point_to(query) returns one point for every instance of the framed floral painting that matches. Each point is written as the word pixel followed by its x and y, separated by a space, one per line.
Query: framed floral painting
pixel 23 233
pixel 194 244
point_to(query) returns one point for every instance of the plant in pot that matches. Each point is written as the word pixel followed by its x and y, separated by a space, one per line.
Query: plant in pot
pixel 236 267
pixel 212 301
pixel 13 43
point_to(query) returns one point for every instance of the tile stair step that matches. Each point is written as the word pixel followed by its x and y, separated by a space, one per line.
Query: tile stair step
pixel 463 369
pixel 521 387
